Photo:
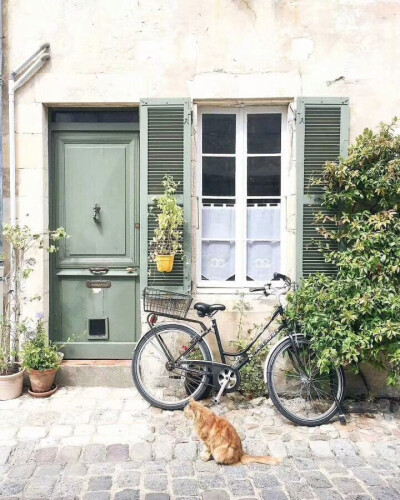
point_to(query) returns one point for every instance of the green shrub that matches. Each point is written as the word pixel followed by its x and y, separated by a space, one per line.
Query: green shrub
pixel 39 353
pixel 252 375
pixel 354 317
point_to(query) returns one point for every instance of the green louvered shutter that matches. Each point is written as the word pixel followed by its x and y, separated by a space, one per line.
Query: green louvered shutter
pixel 165 130
pixel 322 134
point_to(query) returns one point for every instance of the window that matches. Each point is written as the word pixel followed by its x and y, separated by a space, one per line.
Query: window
pixel 105 115
pixel 241 163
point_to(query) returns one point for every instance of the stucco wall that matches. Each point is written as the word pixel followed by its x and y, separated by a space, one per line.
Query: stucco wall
pixel 114 53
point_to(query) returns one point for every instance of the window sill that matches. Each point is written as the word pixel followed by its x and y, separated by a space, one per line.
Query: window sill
pixel 232 290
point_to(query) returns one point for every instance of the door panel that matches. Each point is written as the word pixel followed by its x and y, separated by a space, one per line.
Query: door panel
pixel 115 306
pixel 104 172
pixel 96 169
pixel 100 311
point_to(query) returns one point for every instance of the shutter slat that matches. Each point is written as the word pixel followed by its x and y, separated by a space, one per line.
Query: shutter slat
pixel 165 149
pixel 321 143
pixel 313 259
pixel 322 135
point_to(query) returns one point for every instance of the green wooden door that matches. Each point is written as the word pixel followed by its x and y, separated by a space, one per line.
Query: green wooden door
pixel 94 287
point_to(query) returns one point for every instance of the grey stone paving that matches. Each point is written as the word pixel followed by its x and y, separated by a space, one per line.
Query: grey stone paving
pixel 102 443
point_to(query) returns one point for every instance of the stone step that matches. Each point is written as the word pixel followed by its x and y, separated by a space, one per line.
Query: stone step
pixel 95 373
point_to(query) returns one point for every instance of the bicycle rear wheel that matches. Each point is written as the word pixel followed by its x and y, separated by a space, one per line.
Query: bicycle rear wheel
pixel 297 388
pixel 159 383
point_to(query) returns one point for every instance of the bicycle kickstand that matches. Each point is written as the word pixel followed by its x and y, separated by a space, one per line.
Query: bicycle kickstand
pixel 342 416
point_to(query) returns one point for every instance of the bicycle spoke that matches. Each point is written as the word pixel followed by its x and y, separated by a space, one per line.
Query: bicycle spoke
pixel 301 389
pixel 165 383
pixel 157 348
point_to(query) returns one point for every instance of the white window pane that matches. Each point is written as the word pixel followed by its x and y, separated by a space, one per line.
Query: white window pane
pixel 218 260
pixel 218 222
pixel 263 259
pixel 264 223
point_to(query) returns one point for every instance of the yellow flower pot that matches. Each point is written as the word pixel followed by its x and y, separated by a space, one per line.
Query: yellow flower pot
pixel 165 263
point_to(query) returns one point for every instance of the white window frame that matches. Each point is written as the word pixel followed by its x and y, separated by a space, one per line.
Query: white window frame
pixel 241 193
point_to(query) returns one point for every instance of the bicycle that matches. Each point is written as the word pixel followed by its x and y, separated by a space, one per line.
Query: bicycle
pixel 173 361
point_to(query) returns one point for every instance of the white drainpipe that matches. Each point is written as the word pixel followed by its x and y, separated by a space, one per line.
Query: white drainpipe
pixel 20 76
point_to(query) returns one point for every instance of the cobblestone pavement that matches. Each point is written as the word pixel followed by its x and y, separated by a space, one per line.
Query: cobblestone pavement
pixel 103 443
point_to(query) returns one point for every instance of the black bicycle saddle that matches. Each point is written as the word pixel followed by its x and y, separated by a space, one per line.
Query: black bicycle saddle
pixel 207 309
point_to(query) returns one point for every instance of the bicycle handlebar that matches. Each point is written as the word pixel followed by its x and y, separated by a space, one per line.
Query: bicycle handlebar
pixel 279 276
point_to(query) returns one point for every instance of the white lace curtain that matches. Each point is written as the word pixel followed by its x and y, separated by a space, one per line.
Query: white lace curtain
pixel 263 255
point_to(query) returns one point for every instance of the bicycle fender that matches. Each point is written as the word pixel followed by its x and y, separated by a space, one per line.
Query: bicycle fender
pixel 275 347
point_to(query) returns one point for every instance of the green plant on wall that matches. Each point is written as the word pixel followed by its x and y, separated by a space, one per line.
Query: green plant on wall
pixel 252 375
pixel 13 326
pixel 354 317
pixel 167 238
pixel 241 307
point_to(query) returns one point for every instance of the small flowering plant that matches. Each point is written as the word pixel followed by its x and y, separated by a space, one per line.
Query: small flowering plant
pixel 38 352
pixel 14 328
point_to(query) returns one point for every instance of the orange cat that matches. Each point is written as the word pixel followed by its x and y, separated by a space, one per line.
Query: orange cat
pixel 220 438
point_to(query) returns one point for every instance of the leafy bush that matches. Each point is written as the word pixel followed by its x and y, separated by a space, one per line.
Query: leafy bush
pixel 252 383
pixel 39 353
pixel 355 317
pixel 252 375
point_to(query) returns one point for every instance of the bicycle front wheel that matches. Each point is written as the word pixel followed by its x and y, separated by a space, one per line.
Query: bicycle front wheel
pixel 161 384
pixel 297 388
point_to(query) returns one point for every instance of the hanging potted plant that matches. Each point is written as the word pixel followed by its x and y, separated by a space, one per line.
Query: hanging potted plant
pixel 14 328
pixel 41 359
pixel 167 241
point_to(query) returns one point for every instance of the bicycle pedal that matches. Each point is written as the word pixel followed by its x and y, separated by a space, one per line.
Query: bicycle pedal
pixel 342 419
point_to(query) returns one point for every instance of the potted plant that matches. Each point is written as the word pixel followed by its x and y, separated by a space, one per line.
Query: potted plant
pixel 41 359
pixel 13 327
pixel 11 374
pixel 167 241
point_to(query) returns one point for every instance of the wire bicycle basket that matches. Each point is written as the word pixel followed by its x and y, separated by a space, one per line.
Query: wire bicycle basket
pixel 166 303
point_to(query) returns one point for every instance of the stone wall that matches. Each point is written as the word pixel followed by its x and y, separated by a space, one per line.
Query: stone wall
pixel 262 51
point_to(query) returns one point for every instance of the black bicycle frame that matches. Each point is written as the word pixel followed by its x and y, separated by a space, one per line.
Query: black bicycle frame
pixel 278 311
pixel 214 326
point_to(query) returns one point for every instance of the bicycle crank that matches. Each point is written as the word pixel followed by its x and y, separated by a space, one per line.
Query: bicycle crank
pixel 228 381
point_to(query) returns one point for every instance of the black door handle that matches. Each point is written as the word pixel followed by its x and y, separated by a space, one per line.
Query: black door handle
pixel 99 270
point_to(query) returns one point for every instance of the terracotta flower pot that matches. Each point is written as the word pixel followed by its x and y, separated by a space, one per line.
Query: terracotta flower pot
pixel 41 380
pixel 11 385
pixel 165 263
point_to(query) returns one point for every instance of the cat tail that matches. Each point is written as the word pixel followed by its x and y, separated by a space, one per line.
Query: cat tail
pixel 248 459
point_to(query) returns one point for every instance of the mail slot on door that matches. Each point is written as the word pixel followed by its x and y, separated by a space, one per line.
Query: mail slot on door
pixel 98 284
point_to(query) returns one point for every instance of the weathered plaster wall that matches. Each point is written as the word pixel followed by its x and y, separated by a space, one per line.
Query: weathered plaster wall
pixel 117 52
